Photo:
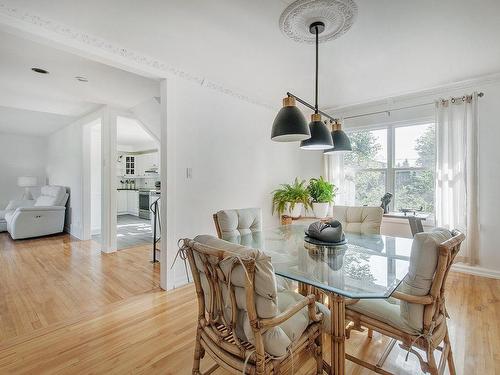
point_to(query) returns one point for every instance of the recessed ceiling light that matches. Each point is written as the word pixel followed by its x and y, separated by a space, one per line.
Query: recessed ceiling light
pixel 81 79
pixel 40 70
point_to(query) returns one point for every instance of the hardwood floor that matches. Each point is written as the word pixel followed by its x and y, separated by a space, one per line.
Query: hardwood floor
pixel 66 308
pixel 47 280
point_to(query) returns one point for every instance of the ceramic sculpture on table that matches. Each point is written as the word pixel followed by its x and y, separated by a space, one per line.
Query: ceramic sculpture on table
pixel 329 232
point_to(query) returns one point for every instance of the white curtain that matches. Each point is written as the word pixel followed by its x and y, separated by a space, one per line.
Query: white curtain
pixel 457 171
pixel 336 173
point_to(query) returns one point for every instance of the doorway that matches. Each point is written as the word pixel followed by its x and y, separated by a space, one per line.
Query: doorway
pixel 138 183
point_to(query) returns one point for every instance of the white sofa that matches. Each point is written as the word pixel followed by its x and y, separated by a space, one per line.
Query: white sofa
pixel 34 218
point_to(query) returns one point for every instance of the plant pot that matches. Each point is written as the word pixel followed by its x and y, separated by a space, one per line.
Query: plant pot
pixel 320 210
pixel 296 211
pixel 286 220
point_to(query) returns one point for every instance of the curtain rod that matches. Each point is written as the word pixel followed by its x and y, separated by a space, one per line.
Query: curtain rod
pixel 453 99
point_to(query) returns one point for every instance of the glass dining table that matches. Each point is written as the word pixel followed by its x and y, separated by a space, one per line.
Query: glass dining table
pixel 367 266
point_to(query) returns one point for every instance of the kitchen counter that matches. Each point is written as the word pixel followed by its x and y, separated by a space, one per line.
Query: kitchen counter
pixel 127 189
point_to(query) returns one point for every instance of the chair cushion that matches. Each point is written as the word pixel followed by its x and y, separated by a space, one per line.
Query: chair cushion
pixel 51 195
pixel 423 262
pixel 268 301
pixel 239 222
pixel 384 310
pixel 403 315
pixel 362 220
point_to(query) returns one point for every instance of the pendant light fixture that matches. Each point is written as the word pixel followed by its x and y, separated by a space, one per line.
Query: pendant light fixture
pixel 303 21
pixel 290 126
pixel 341 141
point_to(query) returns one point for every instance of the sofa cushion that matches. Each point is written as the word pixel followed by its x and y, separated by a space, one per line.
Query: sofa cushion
pixel 423 262
pixel 239 222
pixel 362 220
pixel 20 203
pixel 51 195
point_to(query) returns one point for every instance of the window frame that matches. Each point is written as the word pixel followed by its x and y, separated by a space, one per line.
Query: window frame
pixel 391 170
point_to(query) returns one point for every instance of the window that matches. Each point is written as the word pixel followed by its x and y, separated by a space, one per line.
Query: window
pixel 396 159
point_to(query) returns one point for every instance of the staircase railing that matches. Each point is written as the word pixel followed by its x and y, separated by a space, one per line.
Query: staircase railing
pixel 156 223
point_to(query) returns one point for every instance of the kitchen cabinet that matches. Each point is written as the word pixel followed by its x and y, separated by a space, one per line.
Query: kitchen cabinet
pixel 127 202
pixel 121 204
pixel 133 202
pixel 129 165
pixel 139 165
pixel 144 162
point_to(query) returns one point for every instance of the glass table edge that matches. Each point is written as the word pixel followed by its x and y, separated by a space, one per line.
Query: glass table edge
pixel 329 289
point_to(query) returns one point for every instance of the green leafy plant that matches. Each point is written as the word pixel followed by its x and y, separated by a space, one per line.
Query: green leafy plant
pixel 321 191
pixel 290 194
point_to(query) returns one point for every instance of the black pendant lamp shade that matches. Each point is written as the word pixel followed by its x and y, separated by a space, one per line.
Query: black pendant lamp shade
pixel 321 138
pixel 341 141
pixel 290 124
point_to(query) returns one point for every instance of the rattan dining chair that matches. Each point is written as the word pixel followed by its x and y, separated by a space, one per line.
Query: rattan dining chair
pixel 244 324
pixel 416 313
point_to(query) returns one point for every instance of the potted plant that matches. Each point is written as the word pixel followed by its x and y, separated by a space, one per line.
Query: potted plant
pixel 322 193
pixel 291 198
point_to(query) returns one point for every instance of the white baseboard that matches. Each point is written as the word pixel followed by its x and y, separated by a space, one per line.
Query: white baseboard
pixel 475 270
pixel 73 230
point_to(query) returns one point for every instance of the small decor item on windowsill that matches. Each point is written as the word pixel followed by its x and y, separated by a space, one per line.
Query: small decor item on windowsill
pixel 386 200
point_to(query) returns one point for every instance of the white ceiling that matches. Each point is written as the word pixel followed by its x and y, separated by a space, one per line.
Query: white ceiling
pixel 395 46
pixel 21 121
pixel 131 135
pixel 51 100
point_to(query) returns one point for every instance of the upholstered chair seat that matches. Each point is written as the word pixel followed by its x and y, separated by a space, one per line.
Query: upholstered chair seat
pixel 362 219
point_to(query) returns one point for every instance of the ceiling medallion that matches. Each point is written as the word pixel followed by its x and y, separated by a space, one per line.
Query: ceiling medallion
pixel 337 15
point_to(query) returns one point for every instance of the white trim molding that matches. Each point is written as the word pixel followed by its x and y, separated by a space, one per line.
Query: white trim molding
pixel 77 41
pixel 415 96
pixel 475 270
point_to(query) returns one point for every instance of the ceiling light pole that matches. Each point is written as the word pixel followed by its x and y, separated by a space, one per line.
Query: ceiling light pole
pixel 321 138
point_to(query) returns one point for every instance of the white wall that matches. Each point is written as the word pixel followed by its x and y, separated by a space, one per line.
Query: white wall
pixel 226 142
pixel 95 178
pixel 489 155
pixel 21 156
pixel 64 167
